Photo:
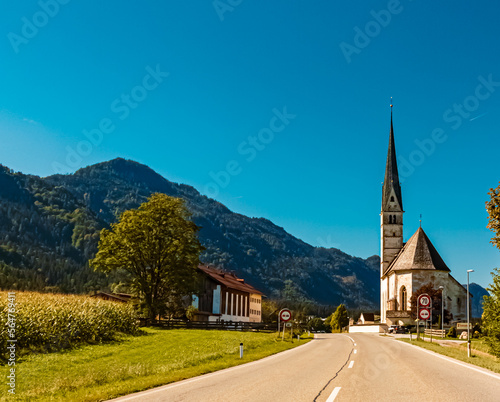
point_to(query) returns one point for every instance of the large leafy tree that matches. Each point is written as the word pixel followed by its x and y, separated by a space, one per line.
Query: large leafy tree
pixel 493 208
pixel 491 314
pixel 491 305
pixel 339 319
pixel 157 244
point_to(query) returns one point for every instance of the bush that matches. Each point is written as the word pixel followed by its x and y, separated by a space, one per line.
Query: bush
pixel 452 332
pixel 55 321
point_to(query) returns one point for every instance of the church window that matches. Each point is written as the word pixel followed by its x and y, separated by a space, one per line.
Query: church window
pixel 390 218
pixel 394 220
pixel 403 298
pixel 392 198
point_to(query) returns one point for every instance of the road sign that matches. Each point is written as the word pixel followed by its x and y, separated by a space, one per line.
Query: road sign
pixel 289 324
pixel 285 315
pixel 424 314
pixel 424 300
pixel 463 326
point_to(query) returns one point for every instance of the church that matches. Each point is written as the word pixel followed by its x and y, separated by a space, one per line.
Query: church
pixel 406 267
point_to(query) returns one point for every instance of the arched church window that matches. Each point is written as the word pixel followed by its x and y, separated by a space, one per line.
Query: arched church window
pixel 390 218
pixel 392 198
pixel 394 220
pixel 404 298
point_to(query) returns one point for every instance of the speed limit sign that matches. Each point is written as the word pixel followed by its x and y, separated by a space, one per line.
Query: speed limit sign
pixel 424 314
pixel 285 315
pixel 424 300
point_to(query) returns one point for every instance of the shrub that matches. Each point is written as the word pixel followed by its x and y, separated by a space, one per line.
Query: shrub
pixel 54 321
pixel 452 332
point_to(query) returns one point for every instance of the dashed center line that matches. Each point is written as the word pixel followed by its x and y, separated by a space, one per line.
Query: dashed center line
pixel 333 395
pixel 351 364
pixel 355 351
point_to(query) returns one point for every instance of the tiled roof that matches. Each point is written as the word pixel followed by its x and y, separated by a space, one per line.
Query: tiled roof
pixel 228 279
pixel 418 253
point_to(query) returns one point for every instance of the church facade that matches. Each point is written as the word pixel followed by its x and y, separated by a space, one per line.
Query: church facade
pixel 406 267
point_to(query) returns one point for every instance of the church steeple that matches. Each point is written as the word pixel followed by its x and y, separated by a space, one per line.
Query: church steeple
pixel 391 222
pixel 391 180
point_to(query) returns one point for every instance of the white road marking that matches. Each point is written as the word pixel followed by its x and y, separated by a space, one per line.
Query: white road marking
pixel 454 361
pixel 333 395
pixel 355 351
pixel 353 341
pixel 351 364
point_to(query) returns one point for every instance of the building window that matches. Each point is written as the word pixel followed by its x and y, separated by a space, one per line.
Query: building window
pixel 390 218
pixel 392 198
pixel 394 220
pixel 404 298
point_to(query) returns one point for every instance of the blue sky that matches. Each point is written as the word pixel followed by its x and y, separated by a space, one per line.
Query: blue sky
pixel 277 110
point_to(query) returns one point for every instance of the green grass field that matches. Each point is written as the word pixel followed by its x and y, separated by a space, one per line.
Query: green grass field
pixel 99 372
pixel 459 352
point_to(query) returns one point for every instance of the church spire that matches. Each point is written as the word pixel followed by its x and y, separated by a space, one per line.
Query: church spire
pixel 391 180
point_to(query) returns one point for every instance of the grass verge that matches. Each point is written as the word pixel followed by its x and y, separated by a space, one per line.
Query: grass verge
pixel 459 352
pixel 136 363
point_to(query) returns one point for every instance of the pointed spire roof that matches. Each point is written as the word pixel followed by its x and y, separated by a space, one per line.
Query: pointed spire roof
pixel 417 254
pixel 391 179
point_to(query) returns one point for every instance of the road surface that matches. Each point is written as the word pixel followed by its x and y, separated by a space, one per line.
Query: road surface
pixel 338 367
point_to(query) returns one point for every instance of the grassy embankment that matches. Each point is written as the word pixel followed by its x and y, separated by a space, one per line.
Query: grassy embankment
pixel 135 363
pixel 480 356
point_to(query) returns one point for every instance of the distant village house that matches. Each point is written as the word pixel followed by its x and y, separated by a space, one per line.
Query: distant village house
pixel 225 297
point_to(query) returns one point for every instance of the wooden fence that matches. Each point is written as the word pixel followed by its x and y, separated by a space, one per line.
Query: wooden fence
pixel 435 332
pixel 232 326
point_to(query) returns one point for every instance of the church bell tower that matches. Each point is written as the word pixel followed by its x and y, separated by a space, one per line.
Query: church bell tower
pixel 391 220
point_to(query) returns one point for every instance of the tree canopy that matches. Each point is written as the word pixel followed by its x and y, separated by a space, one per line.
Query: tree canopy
pixel 493 208
pixel 491 314
pixel 157 244
pixel 339 319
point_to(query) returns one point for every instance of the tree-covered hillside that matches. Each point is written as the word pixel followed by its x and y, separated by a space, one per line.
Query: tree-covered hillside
pixel 69 210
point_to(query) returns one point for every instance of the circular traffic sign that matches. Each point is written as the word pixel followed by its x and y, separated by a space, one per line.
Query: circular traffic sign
pixel 285 315
pixel 424 314
pixel 424 300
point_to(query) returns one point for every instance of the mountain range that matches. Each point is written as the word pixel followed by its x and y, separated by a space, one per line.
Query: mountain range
pixel 49 229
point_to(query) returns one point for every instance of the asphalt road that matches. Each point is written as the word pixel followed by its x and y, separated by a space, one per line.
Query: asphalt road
pixel 356 367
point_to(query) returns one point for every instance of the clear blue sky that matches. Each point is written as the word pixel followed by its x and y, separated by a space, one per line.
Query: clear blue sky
pixel 333 66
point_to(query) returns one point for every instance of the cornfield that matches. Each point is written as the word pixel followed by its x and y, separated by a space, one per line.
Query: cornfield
pixel 55 321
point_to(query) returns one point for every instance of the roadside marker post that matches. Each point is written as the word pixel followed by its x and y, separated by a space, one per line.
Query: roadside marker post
pixel 241 350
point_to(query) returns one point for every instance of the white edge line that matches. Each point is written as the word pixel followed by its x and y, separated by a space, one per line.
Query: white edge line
pixel 353 341
pixel 334 394
pixel 450 359
pixel 203 376
pixel 351 364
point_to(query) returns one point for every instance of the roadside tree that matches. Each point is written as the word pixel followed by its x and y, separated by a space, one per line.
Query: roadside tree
pixel 491 305
pixel 339 319
pixel 158 246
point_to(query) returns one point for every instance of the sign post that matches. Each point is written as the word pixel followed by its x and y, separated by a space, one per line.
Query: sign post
pixel 285 315
pixel 424 310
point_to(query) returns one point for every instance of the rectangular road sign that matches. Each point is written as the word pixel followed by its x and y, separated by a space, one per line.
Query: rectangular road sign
pixel 463 326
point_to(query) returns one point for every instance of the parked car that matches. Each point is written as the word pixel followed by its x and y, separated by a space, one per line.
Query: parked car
pixel 397 329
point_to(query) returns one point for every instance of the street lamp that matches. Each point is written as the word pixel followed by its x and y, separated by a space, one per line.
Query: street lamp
pixel 442 310
pixel 468 314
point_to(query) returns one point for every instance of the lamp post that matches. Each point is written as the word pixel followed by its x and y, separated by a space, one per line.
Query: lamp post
pixel 468 314
pixel 442 310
